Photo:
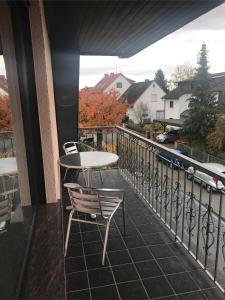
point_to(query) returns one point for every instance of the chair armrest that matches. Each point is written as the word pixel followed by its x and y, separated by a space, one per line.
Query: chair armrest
pixel 72 185
pixel 109 190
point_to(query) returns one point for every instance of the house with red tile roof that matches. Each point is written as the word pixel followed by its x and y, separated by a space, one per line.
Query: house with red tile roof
pixel 3 86
pixel 114 81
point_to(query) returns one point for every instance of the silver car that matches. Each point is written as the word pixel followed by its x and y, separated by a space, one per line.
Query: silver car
pixel 209 181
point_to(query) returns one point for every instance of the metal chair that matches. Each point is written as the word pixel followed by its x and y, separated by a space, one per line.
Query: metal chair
pixel 75 147
pixel 7 193
pixel 102 202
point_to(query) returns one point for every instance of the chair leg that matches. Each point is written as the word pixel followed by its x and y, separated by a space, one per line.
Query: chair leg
pixel 68 232
pixel 124 223
pixel 64 178
pixel 105 243
pixel 100 173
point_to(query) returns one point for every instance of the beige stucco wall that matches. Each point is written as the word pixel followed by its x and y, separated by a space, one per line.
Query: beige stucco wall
pixel 46 101
pixel 15 103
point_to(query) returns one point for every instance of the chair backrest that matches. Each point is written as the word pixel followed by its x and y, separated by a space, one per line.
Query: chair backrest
pixel 70 148
pixel 82 201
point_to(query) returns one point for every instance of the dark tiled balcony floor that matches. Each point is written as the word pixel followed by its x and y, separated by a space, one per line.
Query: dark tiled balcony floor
pixel 146 264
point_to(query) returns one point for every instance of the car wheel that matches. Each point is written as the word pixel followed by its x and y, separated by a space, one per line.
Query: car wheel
pixel 208 188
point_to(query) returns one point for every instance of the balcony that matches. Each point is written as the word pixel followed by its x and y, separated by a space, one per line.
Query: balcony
pixel 174 246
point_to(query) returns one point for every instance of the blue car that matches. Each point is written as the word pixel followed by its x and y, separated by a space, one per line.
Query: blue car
pixel 172 160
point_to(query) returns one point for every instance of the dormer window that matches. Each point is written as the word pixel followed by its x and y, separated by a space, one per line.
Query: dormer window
pixel 119 85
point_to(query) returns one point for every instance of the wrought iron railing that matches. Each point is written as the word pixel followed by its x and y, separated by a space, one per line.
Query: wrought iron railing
pixel 194 215
pixel 7 145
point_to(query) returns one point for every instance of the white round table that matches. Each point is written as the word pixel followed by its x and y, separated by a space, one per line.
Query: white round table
pixel 8 166
pixel 87 161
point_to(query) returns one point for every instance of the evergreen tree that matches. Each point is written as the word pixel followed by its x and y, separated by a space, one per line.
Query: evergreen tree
pixel 202 106
pixel 160 79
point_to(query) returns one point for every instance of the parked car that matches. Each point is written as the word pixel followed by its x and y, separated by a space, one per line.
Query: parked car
pixel 208 181
pixel 172 160
pixel 168 136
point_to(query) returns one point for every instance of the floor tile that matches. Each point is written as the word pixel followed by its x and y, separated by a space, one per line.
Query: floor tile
pixel 213 294
pixel 134 241
pixel 132 290
pixel 100 277
pixel 94 261
pixel 171 265
pixel 192 296
pixel 91 236
pixel 140 253
pixel 74 250
pixel 157 287
pixel 76 281
pixel 79 295
pixel 182 283
pixel 148 269
pixel 115 244
pixel 189 262
pixel 124 273
pixel 161 251
pixel 93 248
pixel 74 264
pixel 75 238
pixel 153 239
pixel 105 293
pixel 119 257
pixel 201 279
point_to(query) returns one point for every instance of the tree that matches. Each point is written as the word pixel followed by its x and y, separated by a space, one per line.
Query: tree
pixel 141 111
pixel 98 108
pixel 5 114
pixel 216 139
pixel 203 107
pixel 160 79
pixel 181 72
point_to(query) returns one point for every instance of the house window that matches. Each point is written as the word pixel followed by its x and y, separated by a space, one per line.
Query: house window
pixel 171 104
pixel 153 85
pixel 119 85
pixel 154 97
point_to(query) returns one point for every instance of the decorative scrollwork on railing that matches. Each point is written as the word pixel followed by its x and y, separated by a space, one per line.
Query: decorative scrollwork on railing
pixel 166 193
pixel 190 212
pixel 223 250
pixel 176 201
pixel 208 229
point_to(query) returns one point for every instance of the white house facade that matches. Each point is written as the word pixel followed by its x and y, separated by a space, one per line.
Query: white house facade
pixel 175 107
pixel 145 101
pixel 177 100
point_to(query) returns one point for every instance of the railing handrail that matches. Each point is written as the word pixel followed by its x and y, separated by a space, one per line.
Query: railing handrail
pixel 97 127
pixel 176 154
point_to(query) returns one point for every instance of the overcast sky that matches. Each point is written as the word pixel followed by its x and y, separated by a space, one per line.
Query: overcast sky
pixel 176 48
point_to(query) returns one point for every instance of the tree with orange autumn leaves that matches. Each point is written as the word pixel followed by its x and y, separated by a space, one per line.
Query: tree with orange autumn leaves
pixel 5 114
pixel 100 109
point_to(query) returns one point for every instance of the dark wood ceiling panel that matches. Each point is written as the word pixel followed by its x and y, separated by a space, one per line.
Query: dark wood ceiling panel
pixel 120 28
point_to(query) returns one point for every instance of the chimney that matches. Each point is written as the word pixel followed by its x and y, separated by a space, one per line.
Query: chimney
pixel 106 75
pixel 111 74
pixel 146 80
